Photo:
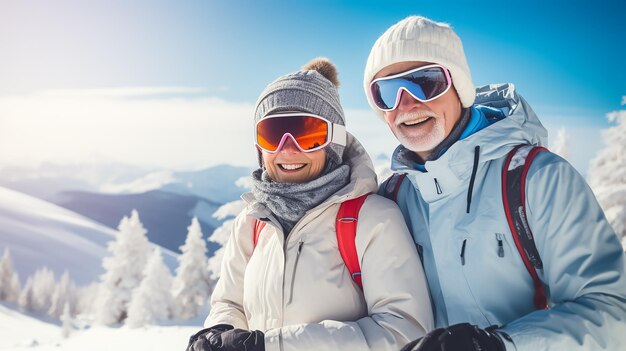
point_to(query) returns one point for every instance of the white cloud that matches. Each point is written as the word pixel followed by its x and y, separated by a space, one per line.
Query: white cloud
pixel 165 132
pixel 123 92
pixel 149 182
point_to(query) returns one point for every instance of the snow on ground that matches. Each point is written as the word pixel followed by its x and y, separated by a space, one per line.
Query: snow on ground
pixel 25 332
pixel 155 338
pixel 19 330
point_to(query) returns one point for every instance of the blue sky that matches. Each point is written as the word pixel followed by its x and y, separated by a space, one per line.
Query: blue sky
pixel 565 57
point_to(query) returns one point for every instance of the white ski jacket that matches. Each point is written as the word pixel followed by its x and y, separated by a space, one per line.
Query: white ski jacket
pixel 298 290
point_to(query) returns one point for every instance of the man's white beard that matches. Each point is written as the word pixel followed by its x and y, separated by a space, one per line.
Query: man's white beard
pixel 418 142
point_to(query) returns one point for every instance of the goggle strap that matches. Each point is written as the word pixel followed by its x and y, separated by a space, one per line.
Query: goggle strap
pixel 339 134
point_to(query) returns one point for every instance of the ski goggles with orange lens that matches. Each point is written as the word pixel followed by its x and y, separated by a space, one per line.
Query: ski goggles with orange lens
pixel 424 83
pixel 309 132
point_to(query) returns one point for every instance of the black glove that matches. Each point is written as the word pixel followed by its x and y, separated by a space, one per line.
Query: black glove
pixel 458 337
pixel 411 345
pixel 200 340
pixel 238 340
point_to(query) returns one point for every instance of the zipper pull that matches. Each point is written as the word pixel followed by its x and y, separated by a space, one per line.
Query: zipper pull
pixel 300 247
pixel 500 246
pixel 463 252
pixel 437 187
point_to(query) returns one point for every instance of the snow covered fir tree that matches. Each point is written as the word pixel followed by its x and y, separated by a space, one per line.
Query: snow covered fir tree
pixel 151 301
pixel 191 288
pixel 9 279
pixel 221 235
pixel 43 287
pixel 138 291
pixel 123 270
pixel 607 174
pixel 64 294
pixel 26 298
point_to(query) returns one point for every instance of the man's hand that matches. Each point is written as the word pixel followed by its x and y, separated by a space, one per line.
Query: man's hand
pixel 458 337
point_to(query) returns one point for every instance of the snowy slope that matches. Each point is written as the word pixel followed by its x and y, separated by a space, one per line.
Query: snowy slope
pixel 20 330
pixel 40 234
pixel 23 332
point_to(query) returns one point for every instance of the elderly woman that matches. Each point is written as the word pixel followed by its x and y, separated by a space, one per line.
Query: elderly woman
pixel 315 261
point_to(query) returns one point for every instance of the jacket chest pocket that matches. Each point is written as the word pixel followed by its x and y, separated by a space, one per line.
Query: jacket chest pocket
pixel 494 274
pixel 494 247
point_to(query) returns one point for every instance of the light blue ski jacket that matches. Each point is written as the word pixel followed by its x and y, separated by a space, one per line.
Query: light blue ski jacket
pixel 583 260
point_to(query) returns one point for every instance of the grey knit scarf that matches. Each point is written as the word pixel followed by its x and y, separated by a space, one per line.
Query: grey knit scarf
pixel 290 201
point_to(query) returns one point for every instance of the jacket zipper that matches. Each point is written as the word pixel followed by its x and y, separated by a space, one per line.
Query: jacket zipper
pixel 295 267
pixel 500 245
pixel 463 252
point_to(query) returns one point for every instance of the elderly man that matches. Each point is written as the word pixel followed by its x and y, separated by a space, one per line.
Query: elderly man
pixel 517 252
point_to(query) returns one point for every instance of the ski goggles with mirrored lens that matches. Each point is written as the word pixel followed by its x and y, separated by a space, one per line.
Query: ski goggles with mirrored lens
pixel 309 132
pixel 424 83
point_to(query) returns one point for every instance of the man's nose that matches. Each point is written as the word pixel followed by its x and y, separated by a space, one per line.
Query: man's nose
pixel 407 101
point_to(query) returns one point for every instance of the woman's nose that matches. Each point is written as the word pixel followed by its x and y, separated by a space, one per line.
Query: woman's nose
pixel 289 146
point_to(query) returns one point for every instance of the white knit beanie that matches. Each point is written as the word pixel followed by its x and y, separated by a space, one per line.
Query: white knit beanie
pixel 417 38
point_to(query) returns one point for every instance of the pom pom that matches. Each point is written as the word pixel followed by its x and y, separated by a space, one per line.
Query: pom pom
pixel 324 67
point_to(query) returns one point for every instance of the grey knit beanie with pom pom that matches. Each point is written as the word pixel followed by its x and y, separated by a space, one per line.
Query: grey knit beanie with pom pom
pixel 313 89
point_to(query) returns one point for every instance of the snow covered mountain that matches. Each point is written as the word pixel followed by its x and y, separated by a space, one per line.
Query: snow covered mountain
pixel 49 179
pixel 39 234
pixel 216 183
pixel 165 215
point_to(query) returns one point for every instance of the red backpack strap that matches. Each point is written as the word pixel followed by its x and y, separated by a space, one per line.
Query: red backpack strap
pixel 258 227
pixel 392 185
pixel 347 218
pixel 514 174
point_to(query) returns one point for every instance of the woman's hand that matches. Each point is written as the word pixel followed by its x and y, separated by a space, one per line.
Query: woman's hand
pixel 223 337
pixel 200 340
pixel 238 340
